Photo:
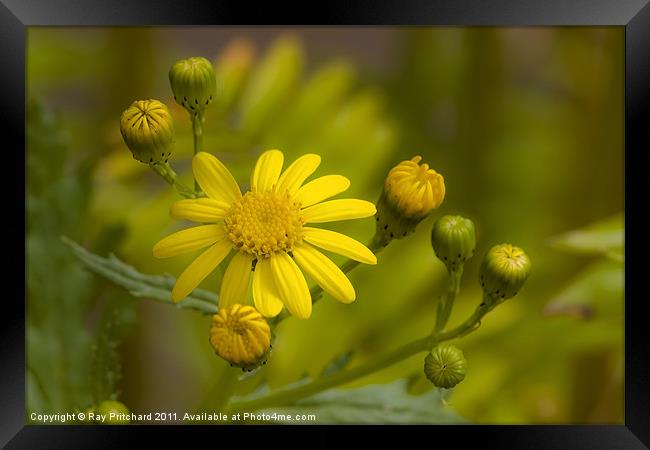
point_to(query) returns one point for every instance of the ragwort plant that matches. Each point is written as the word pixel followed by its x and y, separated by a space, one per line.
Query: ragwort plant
pixel 270 235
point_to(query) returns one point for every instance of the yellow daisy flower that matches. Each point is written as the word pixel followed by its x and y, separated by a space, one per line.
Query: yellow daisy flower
pixel 266 228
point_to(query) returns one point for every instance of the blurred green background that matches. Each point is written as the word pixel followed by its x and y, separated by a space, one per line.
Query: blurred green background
pixel 525 124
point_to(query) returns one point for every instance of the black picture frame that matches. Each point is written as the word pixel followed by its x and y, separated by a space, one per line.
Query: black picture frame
pixel 633 15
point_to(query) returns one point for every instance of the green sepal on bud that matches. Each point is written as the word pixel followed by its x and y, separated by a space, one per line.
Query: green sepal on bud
pixel 148 131
pixel 391 223
pixel 504 271
pixel 193 83
pixel 445 366
pixel 115 412
pixel 454 240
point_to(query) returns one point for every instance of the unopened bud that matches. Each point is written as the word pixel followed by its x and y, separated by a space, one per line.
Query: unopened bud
pixel 453 239
pixel 148 131
pixel 193 83
pixel 504 271
pixel 445 366
pixel 114 411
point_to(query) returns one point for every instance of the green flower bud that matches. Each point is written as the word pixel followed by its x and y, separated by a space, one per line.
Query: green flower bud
pixel 445 366
pixel 453 240
pixel 115 412
pixel 193 83
pixel 411 192
pixel 148 131
pixel 504 271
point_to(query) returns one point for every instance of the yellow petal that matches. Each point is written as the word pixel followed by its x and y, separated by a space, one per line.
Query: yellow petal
pixel 265 294
pixel 200 210
pixel 297 173
pixel 291 285
pixel 325 272
pixel 347 208
pixel 321 188
pixel 340 244
pixel 267 171
pixel 199 269
pixel 234 285
pixel 188 240
pixel 214 178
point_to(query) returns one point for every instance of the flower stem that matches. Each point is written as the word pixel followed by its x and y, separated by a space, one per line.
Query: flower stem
pixel 166 172
pixel 197 133
pixel 292 394
pixel 447 302
pixel 287 396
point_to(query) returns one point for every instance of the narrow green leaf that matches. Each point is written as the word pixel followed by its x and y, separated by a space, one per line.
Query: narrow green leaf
pixel 155 287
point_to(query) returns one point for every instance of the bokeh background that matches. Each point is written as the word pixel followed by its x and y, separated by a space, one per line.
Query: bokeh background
pixel 525 124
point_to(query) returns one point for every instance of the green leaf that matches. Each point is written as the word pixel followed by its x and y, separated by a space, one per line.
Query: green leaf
pixel 386 404
pixel 596 290
pixel 605 237
pixel 155 287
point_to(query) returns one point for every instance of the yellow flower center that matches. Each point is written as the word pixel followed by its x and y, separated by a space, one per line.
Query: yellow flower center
pixel 240 335
pixel 263 223
pixel 511 257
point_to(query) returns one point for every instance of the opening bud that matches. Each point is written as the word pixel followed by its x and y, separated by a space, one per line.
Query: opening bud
pixel 411 192
pixel 445 366
pixel 240 335
pixel 193 83
pixel 454 240
pixel 148 131
pixel 504 271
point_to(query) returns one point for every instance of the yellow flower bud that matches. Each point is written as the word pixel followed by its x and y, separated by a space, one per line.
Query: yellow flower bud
pixel 445 366
pixel 148 131
pixel 115 412
pixel 193 82
pixel 411 192
pixel 240 335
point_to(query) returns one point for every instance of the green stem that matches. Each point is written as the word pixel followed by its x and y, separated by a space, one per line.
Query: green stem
pixel 197 133
pixel 166 172
pixel 447 302
pixel 291 395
